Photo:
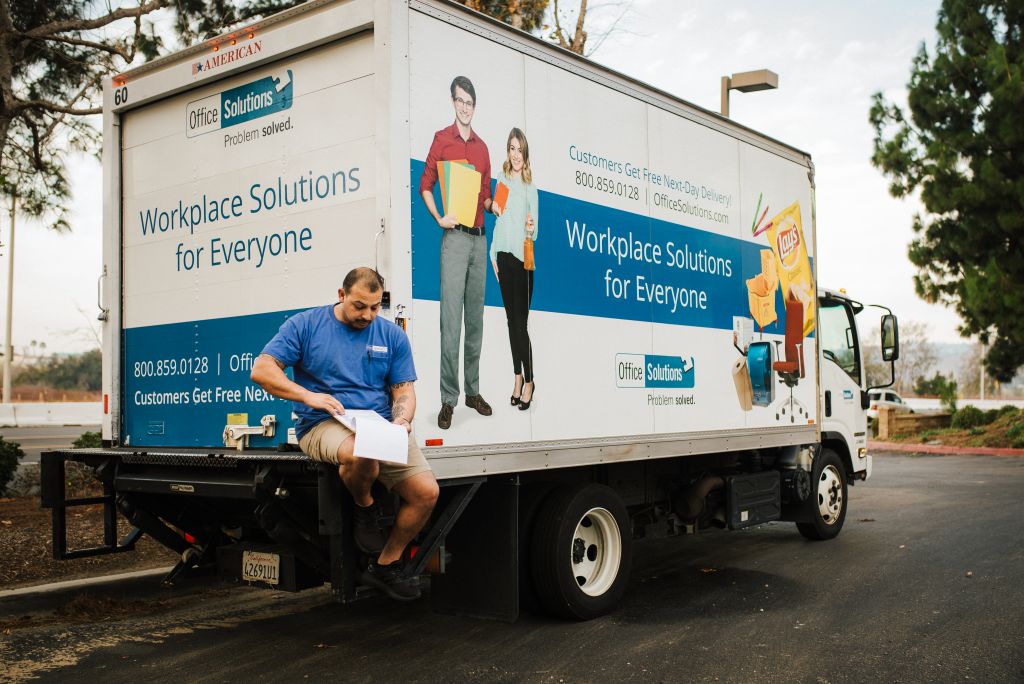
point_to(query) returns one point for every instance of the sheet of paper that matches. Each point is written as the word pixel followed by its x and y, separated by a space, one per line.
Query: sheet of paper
pixel 376 438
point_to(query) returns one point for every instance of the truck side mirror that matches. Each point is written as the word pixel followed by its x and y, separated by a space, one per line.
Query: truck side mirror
pixel 890 338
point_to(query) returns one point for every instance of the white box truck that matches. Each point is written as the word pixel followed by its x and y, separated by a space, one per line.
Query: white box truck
pixel 690 372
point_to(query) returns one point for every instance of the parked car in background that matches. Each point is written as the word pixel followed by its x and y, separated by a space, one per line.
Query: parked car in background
pixel 888 399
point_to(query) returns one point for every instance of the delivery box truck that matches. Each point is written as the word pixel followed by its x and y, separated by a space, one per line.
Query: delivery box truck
pixel 627 280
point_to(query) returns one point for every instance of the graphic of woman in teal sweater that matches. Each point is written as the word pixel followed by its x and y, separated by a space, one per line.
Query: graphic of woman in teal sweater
pixel 517 221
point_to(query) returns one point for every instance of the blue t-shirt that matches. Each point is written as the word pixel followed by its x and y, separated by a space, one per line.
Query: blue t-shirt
pixel 357 367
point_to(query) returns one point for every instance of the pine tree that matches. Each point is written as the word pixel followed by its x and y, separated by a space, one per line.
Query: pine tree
pixel 960 144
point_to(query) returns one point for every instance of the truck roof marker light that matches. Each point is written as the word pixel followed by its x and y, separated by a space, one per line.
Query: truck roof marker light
pixel 810 421
pixel 233 41
pixel 435 442
pixel 251 35
pixel 216 47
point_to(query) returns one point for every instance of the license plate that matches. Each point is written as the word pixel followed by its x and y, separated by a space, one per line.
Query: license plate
pixel 258 566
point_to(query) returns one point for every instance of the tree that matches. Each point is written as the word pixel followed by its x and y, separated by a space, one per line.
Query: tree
pixel 568 29
pixel 525 15
pixel 917 356
pixel 54 57
pixel 876 371
pixel 935 386
pixel 961 146
pixel 74 372
pixel 970 375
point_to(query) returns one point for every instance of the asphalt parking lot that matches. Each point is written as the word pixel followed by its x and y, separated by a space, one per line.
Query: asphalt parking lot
pixel 926 583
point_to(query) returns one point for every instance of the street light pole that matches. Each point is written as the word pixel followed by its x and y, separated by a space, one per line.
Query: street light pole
pixel 747 82
pixel 8 346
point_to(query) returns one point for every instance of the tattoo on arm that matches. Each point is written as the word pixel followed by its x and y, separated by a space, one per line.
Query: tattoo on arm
pixel 278 362
pixel 398 408
pixel 401 385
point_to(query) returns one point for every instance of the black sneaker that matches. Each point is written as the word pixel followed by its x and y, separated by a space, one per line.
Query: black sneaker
pixel 390 580
pixel 444 418
pixel 369 534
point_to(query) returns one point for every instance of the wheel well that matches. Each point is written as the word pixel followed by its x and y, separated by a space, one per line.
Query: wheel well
pixel 835 442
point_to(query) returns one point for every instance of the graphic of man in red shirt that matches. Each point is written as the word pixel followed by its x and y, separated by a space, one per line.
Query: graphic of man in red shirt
pixel 463 255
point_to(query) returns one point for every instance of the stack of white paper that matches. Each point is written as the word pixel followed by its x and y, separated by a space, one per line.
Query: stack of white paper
pixel 375 437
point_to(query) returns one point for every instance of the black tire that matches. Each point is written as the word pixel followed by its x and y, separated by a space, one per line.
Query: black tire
pixel 567 569
pixel 828 492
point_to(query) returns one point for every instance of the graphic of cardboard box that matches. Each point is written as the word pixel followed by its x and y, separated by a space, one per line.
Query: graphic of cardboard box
pixel 761 299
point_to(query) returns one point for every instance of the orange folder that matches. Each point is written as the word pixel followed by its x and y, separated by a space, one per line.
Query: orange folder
pixel 500 196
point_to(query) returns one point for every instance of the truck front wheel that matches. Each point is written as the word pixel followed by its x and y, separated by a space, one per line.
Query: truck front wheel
pixel 581 551
pixel 827 505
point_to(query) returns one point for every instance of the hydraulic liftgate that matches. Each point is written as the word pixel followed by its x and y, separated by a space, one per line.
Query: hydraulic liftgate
pixel 210 507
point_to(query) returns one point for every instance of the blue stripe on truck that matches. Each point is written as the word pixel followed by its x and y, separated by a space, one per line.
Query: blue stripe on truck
pixel 181 380
pixel 695 278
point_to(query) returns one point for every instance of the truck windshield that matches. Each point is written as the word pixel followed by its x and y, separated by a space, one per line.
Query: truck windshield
pixel 838 337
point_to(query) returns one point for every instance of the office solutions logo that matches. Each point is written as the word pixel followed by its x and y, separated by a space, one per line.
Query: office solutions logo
pixel 259 98
pixel 647 370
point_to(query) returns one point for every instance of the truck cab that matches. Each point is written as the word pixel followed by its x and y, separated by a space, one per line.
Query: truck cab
pixel 844 390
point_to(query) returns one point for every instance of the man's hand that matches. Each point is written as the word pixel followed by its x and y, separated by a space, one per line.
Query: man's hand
pixel 324 402
pixel 404 423
pixel 447 222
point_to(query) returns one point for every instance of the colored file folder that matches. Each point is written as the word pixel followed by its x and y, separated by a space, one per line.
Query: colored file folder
pixel 460 190
pixel 500 196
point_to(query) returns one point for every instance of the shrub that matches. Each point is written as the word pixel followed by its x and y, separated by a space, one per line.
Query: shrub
pixel 1007 410
pixel 88 440
pixel 25 482
pixel 947 396
pixel 10 454
pixel 1016 436
pixel 967 417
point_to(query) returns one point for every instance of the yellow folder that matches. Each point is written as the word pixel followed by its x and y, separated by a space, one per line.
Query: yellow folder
pixel 463 193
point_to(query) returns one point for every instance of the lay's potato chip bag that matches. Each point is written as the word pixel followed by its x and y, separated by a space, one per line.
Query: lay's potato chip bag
pixel 786 237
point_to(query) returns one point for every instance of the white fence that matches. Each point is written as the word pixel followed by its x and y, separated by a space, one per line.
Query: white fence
pixel 983 404
pixel 62 413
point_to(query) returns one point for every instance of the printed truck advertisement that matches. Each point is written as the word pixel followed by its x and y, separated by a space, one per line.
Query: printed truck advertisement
pixel 626 270
pixel 239 197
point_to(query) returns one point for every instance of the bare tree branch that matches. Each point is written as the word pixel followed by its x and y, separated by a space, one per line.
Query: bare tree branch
pixel 123 53
pixel 580 37
pixel 56 108
pixel 99 22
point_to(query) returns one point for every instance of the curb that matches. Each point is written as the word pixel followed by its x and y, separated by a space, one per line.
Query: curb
pixel 84 582
pixel 943 449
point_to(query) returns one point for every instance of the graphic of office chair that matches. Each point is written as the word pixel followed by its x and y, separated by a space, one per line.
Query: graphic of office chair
pixel 791 369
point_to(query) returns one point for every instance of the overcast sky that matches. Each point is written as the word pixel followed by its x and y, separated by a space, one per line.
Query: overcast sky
pixel 830 57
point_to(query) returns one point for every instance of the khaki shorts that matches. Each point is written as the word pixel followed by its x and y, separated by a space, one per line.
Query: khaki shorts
pixel 323 440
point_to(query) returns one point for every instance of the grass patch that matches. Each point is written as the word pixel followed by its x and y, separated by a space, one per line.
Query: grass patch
pixel 998 428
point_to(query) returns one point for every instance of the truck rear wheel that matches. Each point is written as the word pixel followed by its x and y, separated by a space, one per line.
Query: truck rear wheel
pixel 581 551
pixel 827 505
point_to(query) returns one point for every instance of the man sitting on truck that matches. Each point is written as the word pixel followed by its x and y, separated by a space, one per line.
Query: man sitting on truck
pixel 463 255
pixel 343 356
